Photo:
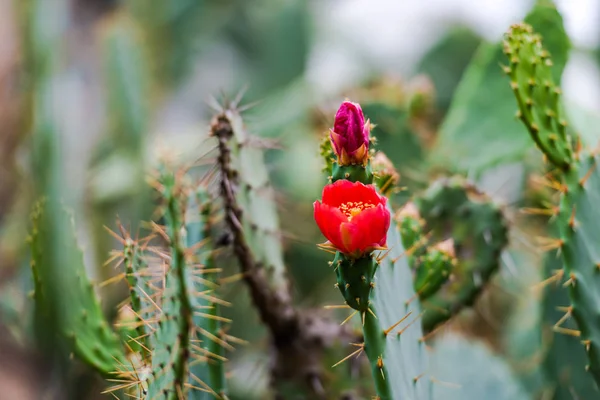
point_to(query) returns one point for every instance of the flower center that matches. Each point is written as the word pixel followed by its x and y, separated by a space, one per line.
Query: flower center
pixel 353 208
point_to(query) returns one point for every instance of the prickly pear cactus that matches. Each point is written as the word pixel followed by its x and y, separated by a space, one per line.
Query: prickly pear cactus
pixel 564 360
pixel 578 183
pixel 66 307
pixel 370 281
pixel 257 201
pixel 538 96
pixel 450 275
pixel 207 317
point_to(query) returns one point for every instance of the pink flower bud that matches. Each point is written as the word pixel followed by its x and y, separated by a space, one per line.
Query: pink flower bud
pixel 350 135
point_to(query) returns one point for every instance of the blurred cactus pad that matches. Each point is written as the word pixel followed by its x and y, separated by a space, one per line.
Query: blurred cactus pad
pixel 195 204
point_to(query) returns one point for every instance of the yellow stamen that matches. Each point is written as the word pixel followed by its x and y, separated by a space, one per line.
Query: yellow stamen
pixel 352 208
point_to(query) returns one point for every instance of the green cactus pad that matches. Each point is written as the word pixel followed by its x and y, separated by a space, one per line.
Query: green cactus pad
pixel 257 200
pixel 538 97
pixel 577 218
pixel 565 358
pixel 452 208
pixel 461 362
pixel 579 232
pixel 396 351
pixel 68 312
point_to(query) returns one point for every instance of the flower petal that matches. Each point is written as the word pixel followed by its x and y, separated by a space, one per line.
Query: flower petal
pixel 337 141
pixel 351 237
pixel 373 223
pixel 343 191
pixel 328 220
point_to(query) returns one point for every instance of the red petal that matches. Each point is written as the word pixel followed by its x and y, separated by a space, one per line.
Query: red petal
pixel 351 237
pixel 329 219
pixel 343 191
pixel 373 223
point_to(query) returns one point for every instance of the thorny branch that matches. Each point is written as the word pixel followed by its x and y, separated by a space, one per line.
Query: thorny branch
pixel 299 338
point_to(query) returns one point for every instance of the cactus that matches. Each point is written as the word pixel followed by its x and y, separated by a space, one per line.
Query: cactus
pixel 140 292
pixel 400 275
pixel 451 208
pixel 468 382
pixel 208 317
pixel 565 356
pixel 578 182
pixel 67 309
pixel 402 347
pixel 369 283
pixel 469 213
pixel 172 339
pixel 537 95
pixel 257 201
pixel 396 352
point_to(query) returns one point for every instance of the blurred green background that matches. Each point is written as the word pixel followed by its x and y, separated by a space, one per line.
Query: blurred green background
pixel 126 82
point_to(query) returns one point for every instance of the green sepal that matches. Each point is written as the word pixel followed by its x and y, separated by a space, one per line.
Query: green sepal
pixel 353 173
pixel 355 279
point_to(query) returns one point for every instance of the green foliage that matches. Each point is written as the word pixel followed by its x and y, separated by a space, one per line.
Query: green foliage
pixel 480 130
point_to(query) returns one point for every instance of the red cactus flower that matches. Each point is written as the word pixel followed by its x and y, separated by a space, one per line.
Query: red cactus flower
pixel 353 217
pixel 350 135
